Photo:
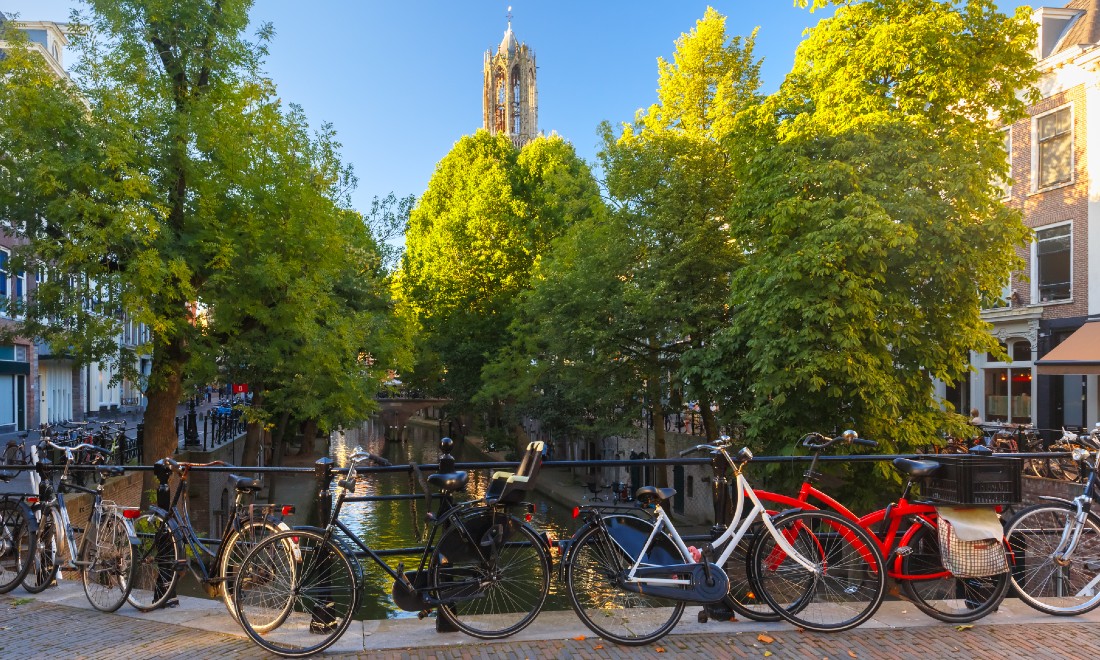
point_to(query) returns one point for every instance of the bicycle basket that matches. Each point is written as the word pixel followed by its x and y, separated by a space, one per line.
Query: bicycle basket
pixel 970 559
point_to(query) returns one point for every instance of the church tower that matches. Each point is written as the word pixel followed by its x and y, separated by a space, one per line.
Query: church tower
pixel 510 99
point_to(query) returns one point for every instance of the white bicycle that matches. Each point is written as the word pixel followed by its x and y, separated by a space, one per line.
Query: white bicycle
pixel 630 578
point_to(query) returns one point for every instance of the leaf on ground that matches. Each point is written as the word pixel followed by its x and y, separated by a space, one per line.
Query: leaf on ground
pixel 580 638
pixel 21 601
pixel 659 649
pixel 852 654
pixel 767 639
pixel 598 647
pixel 767 653
pixel 964 627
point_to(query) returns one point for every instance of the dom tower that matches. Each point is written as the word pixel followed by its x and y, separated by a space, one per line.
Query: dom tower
pixel 510 100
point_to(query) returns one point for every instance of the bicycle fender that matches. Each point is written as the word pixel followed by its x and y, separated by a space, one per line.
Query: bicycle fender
pixel 1062 500
pixel 28 516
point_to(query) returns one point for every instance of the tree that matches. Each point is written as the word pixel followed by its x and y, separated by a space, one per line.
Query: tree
pixel 870 219
pixel 485 221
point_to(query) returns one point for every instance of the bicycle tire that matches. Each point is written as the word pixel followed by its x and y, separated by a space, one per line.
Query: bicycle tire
pixel 43 565
pixel 1033 534
pixel 15 545
pixel 305 582
pixel 495 589
pixel 594 578
pixel 744 598
pixel 241 540
pixel 107 564
pixel 156 563
pixel 848 582
pixel 947 598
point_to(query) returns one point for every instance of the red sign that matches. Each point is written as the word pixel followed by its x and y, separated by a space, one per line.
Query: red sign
pixel 240 388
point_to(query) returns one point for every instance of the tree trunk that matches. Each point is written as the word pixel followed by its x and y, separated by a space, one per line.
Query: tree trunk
pixel 160 415
pixel 309 436
pixel 710 424
pixel 254 435
pixel 660 446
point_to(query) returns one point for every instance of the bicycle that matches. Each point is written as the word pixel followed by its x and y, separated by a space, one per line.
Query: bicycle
pixel 630 579
pixel 17 523
pixel 1055 546
pixel 169 545
pixel 484 570
pixel 104 555
pixel 905 532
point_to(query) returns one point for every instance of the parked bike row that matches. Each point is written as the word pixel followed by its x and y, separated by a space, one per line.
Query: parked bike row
pixel 627 570
pixel 1024 438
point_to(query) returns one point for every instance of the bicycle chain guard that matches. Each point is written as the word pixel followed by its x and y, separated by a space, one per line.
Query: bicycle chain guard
pixel 699 591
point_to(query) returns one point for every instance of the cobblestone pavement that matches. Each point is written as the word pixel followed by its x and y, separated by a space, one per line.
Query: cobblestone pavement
pixel 31 628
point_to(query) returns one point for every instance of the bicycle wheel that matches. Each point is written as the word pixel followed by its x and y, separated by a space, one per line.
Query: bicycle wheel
pixel 846 584
pixel 43 565
pixel 744 597
pixel 1050 585
pixel 107 564
pixel 300 588
pixel 493 589
pixel 941 595
pixel 246 534
pixel 15 545
pixel 594 578
pixel 156 563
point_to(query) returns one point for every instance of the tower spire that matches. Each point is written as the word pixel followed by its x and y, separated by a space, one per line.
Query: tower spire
pixel 509 15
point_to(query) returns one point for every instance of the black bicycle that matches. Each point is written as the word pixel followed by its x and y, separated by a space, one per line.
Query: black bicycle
pixel 484 569
pixel 169 544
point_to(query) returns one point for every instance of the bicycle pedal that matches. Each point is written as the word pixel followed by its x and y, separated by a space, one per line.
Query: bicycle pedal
pixel 903 551
pixel 423 614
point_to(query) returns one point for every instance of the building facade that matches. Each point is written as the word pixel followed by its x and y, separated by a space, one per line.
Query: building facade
pixel 1054 159
pixel 510 97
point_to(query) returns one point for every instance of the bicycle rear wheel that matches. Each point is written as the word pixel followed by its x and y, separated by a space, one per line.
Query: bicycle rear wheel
pixel 1054 586
pixel 43 568
pixel 941 595
pixel 847 581
pixel 107 564
pixel 594 577
pixel 16 544
pixel 744 597
pixel 296 593
pixel 156 563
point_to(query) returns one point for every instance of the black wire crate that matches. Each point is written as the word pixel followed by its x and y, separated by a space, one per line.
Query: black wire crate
pixel 971 479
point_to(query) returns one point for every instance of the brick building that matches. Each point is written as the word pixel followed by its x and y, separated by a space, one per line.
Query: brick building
pixel 1055 181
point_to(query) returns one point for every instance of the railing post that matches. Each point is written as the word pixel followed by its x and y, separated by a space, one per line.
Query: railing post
pixel 139 438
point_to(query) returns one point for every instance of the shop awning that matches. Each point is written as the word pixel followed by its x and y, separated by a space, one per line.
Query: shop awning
pixel 1078 354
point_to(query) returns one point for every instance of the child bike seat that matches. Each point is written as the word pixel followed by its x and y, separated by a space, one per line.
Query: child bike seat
pixel 508 487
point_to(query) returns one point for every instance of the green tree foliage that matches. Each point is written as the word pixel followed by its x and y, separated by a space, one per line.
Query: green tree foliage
pixel 626 296
pixel 169 177
pixel 485 221
pixel 870 219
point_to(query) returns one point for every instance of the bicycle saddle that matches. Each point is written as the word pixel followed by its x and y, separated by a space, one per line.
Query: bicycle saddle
pixel 244 484
pixel 915 468
pixel 449 481
pixel 650 494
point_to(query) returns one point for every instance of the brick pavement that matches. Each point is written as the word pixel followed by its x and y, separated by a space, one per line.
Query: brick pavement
pixel 35 628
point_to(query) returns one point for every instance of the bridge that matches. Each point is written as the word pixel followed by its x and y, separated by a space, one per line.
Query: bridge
pixel 395 413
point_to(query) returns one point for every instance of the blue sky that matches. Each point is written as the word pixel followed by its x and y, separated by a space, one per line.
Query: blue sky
pixel 401 82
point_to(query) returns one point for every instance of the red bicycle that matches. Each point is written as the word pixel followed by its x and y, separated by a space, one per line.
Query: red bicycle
pixel 908 538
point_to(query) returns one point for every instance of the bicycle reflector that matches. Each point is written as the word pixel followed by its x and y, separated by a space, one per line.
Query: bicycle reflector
pixel 288 510
pixel 131 513
pixel 576 511
pixel 32 500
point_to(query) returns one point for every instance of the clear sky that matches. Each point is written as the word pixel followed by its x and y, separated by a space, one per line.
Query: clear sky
pixel 401 81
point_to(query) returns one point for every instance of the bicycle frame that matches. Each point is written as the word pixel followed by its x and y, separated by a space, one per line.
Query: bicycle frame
pixel 729 538
pixel 1071 534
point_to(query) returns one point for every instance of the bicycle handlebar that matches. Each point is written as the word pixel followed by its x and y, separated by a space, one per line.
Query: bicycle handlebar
pixel 360 456
pixel 849 436
pixel 68 451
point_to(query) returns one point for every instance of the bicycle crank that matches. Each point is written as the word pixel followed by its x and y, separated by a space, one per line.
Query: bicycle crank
pixel 700 588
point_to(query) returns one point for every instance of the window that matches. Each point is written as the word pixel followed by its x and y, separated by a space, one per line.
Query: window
pixel 1005 183
pixel 1055 144
pixel 1052 263
pixel 4 256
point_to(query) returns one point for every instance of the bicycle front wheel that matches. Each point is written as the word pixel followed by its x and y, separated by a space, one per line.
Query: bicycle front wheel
pixel 156 563
pixel 1050 584
pixel 245 536
pixel 846 580
pixel 941 595
pixel 16 544
pixel 493 589
pixel 107 564
pixel 296 593
pixel 43 568
pixel 595 578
